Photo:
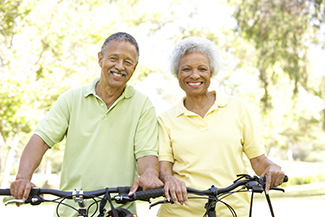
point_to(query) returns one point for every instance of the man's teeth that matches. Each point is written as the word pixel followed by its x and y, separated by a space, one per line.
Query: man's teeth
pixel 117 74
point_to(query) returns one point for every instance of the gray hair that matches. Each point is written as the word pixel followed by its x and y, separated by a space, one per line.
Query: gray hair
pixel 195 44
pixel 121 36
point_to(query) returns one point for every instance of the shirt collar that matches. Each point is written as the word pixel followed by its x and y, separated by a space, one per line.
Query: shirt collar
pixel 222 100
pixel 90 90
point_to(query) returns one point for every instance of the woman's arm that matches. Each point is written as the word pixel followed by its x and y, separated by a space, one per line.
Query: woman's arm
pixel 265 167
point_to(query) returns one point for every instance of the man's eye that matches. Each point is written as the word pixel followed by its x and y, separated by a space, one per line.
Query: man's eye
pixel 128 63
pixel 186 69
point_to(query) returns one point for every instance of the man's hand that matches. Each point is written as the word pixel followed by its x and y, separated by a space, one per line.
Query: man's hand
pixel 20 189
pixel 148 168
pixel 148 180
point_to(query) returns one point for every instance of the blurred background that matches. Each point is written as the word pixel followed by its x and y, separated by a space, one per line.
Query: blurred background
pixel 273 54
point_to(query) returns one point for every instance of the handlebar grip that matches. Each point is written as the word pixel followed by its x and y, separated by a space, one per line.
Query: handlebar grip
pixel 285 179
pixel 146 195
pixel 5 192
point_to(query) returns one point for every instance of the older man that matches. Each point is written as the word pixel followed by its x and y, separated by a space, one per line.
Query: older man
pixel 110 128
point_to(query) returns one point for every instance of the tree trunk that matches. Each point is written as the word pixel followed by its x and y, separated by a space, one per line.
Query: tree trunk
pixel 12 144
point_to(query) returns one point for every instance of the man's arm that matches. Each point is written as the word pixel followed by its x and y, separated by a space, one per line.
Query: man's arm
pixel 148 169
pixel 29 161
pixel 265 167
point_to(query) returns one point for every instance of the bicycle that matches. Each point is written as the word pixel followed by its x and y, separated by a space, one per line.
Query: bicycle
pixel 213 195
pixel 253 184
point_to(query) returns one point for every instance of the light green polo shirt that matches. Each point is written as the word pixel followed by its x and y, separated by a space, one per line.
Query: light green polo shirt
pixel 102 144
pixel 209 151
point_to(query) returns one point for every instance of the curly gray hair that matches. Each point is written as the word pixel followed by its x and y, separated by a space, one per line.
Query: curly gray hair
pixel 195 44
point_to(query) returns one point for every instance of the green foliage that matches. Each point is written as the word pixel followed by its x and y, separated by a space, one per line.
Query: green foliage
pixel 281 32
pixel 304 180
pixel 47 47
pixel 13 110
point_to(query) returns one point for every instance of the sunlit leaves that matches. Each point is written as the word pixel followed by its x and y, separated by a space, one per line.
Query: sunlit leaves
pixel 281 32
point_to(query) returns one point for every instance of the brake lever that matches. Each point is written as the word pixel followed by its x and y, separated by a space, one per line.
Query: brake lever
pixel 21 201
pixel 277 189
pixel 161 202
pixel 34 200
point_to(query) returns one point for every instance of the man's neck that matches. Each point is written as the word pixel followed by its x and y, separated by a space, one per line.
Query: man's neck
pixel 107 94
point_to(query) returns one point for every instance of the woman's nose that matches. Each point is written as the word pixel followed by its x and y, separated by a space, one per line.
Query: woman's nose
pixel 195 74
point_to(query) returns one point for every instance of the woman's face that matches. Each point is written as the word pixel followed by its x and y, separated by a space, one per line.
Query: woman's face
pixel 194 73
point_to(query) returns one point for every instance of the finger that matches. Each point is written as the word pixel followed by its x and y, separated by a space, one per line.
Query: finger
pixel 26 191
pixel 179 194
pixel 267 183
pixel 279 179
pixel 173 194
pixel 20 191
pixel 13 190
pixel 134 187
pixel 185 195
pixel 167 193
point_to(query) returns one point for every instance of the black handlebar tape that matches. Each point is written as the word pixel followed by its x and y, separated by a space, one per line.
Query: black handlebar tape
pixel 5 192
pixel 146 195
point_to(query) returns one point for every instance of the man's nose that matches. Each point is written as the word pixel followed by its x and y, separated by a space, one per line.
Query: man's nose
pixel 119 65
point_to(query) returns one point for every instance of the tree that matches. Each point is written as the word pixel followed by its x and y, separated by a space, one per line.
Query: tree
pixel 282 32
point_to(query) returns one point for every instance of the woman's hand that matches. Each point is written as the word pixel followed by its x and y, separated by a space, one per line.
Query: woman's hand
pixel 176 189
pixel 272 172
pixel 173 187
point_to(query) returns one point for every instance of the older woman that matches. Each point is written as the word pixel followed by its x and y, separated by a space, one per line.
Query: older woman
pixel 203 138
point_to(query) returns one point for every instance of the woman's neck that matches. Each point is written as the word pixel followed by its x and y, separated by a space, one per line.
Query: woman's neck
pixel 200 104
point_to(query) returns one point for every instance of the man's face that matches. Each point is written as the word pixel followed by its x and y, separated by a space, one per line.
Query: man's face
pixel 118 63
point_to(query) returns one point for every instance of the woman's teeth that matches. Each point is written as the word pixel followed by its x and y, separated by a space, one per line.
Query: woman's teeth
pixel 195 84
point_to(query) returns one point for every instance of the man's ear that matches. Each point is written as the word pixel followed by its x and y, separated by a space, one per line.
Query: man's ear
pixel 135 66
pixel 100 59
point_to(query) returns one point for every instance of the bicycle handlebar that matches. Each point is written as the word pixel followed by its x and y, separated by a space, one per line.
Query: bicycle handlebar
pixel 66 194
pixel 251 182
pixel 254 183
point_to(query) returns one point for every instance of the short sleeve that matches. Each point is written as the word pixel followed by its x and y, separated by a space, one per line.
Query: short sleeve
pixel 53 126
pixel 164 142
pixel 252 140
pixel 147 132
